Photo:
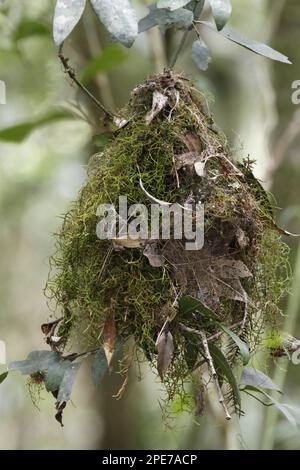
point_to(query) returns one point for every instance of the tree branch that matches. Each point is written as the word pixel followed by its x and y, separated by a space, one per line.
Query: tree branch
pixel 71 73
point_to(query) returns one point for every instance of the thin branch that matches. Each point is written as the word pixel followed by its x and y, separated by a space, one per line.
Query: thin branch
pixel 198 8
pixel 210 338
pixel 256 398
pixel 214 374
pixel 71 73
pixel 180 47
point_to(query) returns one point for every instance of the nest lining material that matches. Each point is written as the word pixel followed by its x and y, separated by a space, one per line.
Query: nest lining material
pixel 171 145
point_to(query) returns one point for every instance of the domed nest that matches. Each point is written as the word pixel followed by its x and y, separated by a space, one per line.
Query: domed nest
pixel 186 310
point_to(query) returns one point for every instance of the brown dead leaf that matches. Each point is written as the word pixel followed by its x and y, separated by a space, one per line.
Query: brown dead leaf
pixel 127 242
pixel 193 143
pixel 227 268
pixel 231 289
pixel 109 337
pixel 49 328
pixel 186 159
pixel 165 348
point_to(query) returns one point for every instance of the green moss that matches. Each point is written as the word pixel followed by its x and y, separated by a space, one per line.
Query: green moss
pixel 90 280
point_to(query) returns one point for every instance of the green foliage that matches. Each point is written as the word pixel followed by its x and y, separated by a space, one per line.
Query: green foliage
pixel 99 366
pixel 17 133
pixel 255 378
pixel 3 377
pixel 121 22
pixel 225 373
pixel 243 348
pixel 108 59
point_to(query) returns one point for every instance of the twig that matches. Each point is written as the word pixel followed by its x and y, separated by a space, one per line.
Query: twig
pixel 196 12
pixel 180 47
pixel 210 338
pixel 214 374
pixel 71 73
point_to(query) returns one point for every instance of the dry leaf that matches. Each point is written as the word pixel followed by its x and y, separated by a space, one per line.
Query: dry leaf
pixel 165 348
pixel 127 242
pixel 155 258
pixel 226 268
pixel 109 337
pixel 241 238
pixel 49 328
pixel 186 159
pixel 159 101
pixel 232 289
pixel 193 143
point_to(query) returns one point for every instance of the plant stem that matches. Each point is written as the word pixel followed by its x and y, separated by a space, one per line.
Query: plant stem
pixel 71 72
pixel 269 428
pixel 180 47
pixel 214 375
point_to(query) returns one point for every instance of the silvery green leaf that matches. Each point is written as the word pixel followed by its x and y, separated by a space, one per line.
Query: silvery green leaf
pixel 66 16
pixel 36 361
pixel 172 4
pixel 255 46
pixel 67 383
pixel 55 375
pixel 119 18
pixel 164 18
pixel 221 10
pixel 99 366
pixel 200 54
pixel 255 378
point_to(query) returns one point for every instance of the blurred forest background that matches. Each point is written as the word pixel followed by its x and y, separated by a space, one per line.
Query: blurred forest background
pixel 43 161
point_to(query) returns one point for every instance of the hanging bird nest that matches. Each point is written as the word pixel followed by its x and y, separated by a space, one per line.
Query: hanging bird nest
pixel 191 313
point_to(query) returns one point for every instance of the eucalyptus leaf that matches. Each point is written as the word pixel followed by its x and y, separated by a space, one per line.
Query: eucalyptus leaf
pixel 181 18
pixel 200 54
pixel 99 366
pixel 286 410
pixel 244 350
pixel 221 10
pixel 172 4
pixel 255 378
pixel 65 389
pixel 55 375
pixel 36 361
pixel 3 377
pixel 119 18
pixel 66 16
pixel 196 6
pixel 254 46
pixel 225 371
